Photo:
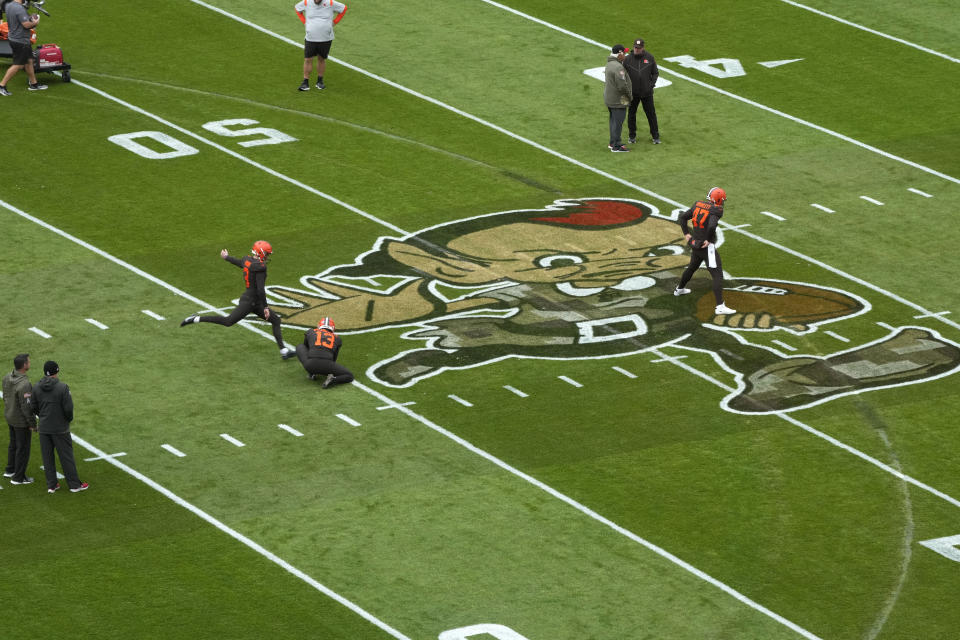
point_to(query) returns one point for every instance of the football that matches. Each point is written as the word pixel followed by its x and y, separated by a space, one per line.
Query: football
pixel 788 302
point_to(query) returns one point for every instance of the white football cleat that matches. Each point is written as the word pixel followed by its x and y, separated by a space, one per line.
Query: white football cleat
pixel 723 310
pixel 286 353
pixel 680 292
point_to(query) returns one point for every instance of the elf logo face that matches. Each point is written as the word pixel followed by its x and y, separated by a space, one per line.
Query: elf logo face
pixel 580 278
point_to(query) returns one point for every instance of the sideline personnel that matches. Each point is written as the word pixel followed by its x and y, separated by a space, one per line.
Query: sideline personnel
pixel 318 18
pixel 19 415
pixel 20 24
pixel 53 404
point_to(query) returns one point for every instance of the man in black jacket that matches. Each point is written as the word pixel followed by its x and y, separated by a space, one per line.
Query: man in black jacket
pixel 53 404
pixel 642 67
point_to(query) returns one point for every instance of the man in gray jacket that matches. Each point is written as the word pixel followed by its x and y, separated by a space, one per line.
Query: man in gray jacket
pixel 19 415
pixel 617 93
pixel 53 404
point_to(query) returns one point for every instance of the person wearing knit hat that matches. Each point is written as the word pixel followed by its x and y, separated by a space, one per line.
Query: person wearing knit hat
pixel 52 403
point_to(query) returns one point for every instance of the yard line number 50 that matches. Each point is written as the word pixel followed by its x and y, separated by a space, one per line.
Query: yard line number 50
pixel 170 147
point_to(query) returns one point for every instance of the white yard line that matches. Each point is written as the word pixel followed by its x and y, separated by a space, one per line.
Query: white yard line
pixel 242 539
pixel 869 30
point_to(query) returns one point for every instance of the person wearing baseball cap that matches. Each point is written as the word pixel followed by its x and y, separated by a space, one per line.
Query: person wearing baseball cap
pixel 53 404
pixel 642 68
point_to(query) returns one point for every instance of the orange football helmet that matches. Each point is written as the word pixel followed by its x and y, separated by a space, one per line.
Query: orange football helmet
pixel 716 195
pixel 326 323
pixel 262 250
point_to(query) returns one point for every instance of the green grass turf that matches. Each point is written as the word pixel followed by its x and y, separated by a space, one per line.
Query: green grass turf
pixel 392 515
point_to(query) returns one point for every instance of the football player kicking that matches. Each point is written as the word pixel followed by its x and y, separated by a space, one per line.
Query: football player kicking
pixel 254 298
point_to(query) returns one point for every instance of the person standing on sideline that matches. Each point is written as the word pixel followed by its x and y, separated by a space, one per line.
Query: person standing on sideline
pixel 617 93
pixel 53 404
pixel 642 67
pixel 18 412
pixel 254 297
pixel 318 16
pixel 704 215
pixel 318 354
pixel 20 24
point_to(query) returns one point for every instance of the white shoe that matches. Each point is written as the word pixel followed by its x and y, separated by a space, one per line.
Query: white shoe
pixel 680 292
pixel 286 353
pixel 723 310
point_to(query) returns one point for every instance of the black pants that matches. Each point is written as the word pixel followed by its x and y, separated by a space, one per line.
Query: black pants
pixel 698 257
pixel 244 308
pixel 323 366
pixel 616 124
pixel 62 443
pixel 18 454
pixel 648 109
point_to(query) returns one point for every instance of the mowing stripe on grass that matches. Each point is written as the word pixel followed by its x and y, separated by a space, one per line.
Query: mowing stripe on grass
pixel 728 94
pixel 280 562
pixel 426 422
pixel 869 30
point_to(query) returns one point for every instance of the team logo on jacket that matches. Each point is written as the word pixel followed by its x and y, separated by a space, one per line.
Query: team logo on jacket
pixel 594 278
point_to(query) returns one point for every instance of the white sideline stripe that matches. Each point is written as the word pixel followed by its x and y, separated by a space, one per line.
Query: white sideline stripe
pixel 836 335
pixel 42 334
pixel 423 420
pixel 232 440
pixel 173 450
pixel 624 372
pixel 290 429
pixel 821 207
pixel 570 381
pixel 244 540
pixel 515 390
pixel 773 215
pixel 869 30
pixel 155 316
pixel 918 192
pixel 350 421
pixel 460 400
pixel 97 324
pixel 824 436
pixel 112 455
pixel 871 200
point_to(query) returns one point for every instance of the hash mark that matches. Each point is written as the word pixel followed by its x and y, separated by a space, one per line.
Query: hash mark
pixel 155 316
pixel 97 324
pixel 173 450
pixel 570 381
pixel 624 372
pixel 42 334
pixel 232 440
pixel 918 192
pixel 871 200
pixel 773 215
pixel 348 420
pixel 460 400
pixel 837 336
pixel 290 429
pixel 784 345
pixel 514 390
pixel 822 208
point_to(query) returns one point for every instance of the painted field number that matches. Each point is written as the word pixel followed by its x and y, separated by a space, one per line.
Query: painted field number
pixel 497 631
pixel 157 145
pixel 947 547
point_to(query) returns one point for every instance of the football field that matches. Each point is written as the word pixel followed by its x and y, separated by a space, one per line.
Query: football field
pixel 542 442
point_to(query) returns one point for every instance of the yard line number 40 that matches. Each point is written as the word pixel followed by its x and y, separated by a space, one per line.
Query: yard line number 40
pixel 166 146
